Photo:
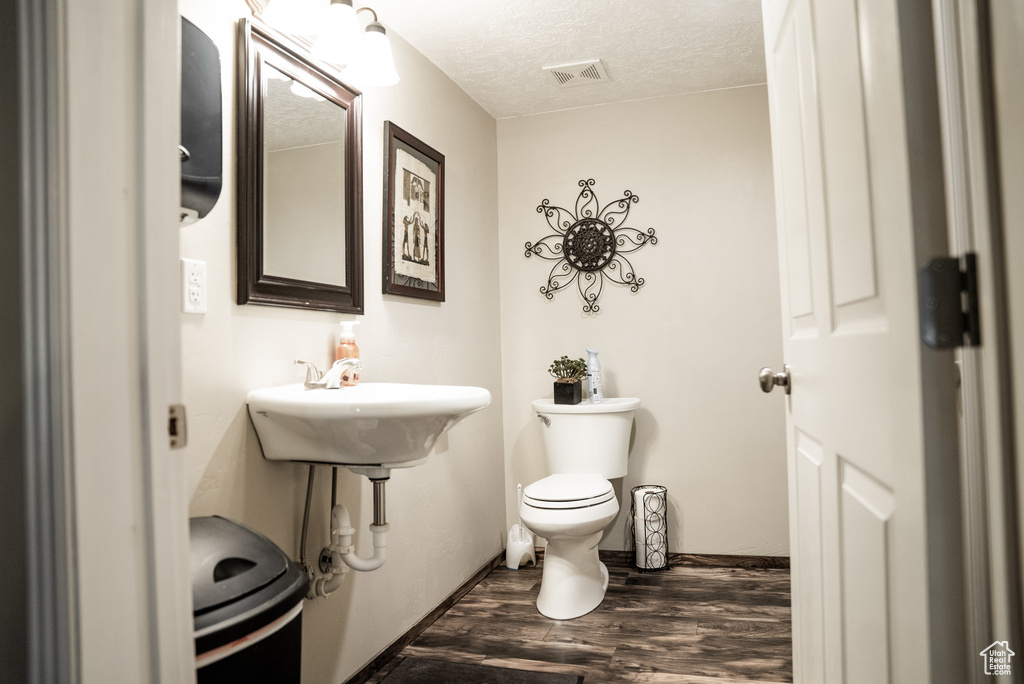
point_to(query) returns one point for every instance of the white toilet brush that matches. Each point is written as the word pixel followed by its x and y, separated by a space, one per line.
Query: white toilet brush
pixel 520 540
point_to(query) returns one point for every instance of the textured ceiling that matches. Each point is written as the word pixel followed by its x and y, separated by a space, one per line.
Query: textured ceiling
pixel 495 49
pixel 293 121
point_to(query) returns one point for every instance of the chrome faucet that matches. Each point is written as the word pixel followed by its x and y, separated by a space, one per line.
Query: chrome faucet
pixel 313 374
pixel 332 378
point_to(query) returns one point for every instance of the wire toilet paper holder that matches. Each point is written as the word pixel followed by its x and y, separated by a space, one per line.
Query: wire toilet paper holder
pixel 649 527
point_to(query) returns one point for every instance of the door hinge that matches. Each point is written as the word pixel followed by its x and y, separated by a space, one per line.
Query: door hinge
pixel 176 427
pixel 949 302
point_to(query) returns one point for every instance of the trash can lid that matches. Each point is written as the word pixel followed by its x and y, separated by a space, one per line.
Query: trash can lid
pixel 229 561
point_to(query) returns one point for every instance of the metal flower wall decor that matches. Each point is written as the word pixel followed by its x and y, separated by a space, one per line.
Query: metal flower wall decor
pixel 589 245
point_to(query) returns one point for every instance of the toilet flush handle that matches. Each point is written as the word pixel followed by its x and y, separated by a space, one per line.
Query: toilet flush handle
pixel 545 420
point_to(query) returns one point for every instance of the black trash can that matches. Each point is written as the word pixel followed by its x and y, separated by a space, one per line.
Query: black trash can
pixel 247 601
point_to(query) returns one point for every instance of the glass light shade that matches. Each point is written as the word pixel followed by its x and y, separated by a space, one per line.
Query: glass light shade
pixel 339 36
pixel 374 65
pixel 295 17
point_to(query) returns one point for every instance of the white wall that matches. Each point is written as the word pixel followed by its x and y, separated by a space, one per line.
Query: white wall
pixel 445 524
pixel 304 194
pixel 690 343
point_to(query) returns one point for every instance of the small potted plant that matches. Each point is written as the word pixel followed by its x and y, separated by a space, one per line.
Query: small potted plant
pixel 568 374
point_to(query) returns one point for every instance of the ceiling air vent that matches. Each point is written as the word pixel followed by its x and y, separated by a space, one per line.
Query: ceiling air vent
pixel 579 73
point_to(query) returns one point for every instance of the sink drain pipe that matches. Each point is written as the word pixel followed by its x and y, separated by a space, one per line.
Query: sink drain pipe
pixel 342 531
pixel 336 559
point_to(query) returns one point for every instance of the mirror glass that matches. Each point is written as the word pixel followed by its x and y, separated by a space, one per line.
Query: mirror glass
pixel 300 190
pixel 303 182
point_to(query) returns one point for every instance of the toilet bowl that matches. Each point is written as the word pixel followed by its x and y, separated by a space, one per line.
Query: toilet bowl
pixel 585 445
pixel 571 512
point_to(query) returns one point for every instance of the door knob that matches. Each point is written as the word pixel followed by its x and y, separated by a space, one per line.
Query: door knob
pixel 769 379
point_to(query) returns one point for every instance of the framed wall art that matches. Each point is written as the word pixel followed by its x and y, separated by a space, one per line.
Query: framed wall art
pixel 413 216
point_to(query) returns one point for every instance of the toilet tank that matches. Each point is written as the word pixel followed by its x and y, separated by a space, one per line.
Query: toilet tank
pixel 587 438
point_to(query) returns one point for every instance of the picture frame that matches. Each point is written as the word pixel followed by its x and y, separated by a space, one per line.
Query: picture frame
pixel 413 246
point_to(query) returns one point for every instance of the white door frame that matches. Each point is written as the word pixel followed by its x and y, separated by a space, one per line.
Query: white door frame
pixel 100 116
pixel 991 546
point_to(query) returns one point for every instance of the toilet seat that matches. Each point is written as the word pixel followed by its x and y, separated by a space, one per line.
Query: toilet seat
pixel 565 491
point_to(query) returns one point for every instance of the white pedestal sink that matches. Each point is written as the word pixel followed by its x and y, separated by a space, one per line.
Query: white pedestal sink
pixel 369 428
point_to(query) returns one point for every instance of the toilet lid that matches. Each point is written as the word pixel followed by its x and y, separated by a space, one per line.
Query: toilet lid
pixel 568 491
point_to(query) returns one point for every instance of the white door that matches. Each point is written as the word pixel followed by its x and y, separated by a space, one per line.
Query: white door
pixel 871 417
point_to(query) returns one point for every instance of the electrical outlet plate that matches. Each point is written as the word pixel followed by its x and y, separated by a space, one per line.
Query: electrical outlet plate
pixel 193 286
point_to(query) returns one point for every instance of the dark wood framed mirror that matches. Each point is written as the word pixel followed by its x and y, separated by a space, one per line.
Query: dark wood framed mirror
pixel 300 202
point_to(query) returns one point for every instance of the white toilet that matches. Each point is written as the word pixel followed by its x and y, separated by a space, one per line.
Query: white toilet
pixel 586 445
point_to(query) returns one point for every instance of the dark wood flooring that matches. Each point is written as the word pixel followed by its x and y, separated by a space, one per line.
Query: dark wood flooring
pixel 705 620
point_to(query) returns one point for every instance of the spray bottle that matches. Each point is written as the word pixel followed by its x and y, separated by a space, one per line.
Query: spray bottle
pixel 347 349
pixel 594 377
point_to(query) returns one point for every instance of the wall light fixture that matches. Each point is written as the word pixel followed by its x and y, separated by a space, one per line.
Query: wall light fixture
pixel 332 29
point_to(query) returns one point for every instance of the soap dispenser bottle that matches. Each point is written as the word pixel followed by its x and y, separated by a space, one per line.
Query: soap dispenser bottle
pixel 347 349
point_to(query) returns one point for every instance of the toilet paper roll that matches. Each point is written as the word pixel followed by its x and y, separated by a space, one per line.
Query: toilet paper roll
pixel 649 515
pixel 641 556
pixel 649 500
pixel 655 521
pixel 651 547
pixel 650 557
pixel 649 508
